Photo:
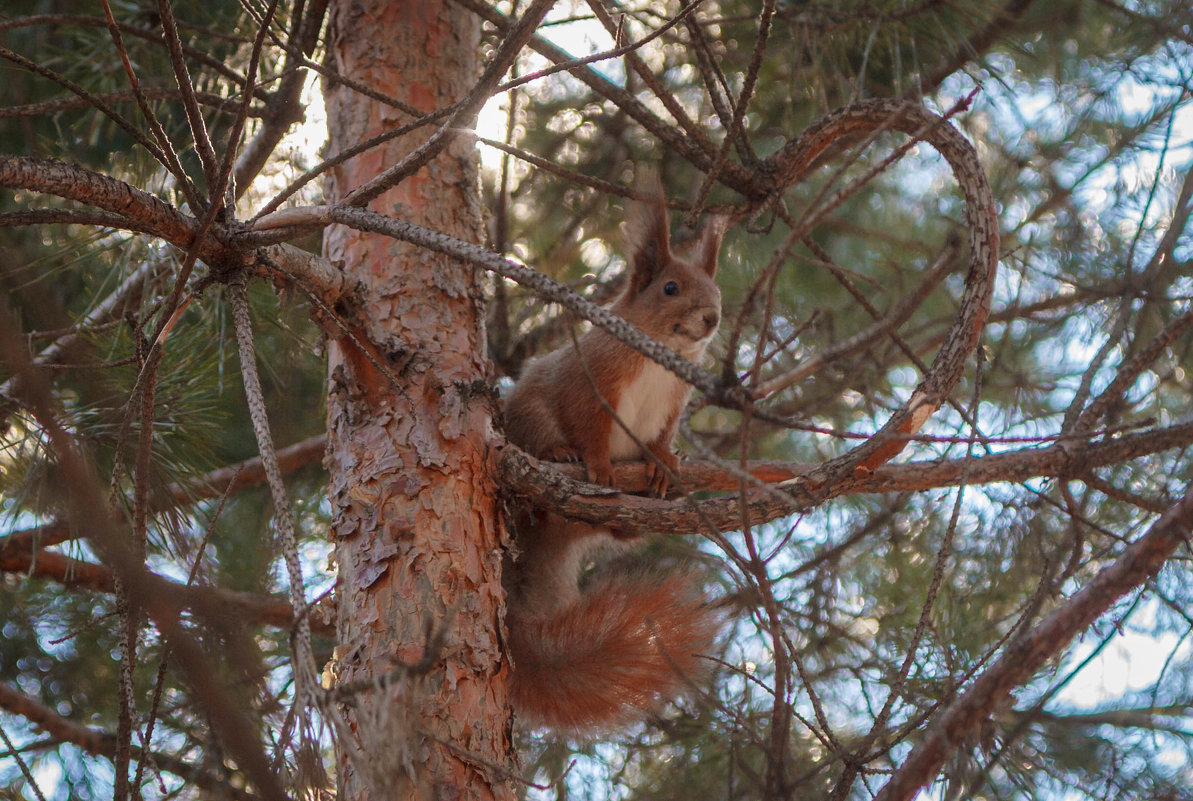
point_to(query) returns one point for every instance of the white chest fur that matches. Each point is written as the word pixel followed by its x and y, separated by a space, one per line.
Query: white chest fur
pixel 644 406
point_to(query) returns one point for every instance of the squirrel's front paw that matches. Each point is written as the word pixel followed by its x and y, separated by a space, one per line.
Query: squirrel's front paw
pixel 600 472
pixel 658 473
pixel 561 453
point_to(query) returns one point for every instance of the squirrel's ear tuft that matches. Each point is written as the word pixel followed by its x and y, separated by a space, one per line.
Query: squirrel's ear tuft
pixel 648 246
pixel 708 246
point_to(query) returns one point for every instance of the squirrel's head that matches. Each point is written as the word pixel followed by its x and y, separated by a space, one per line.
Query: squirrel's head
pixel 671 296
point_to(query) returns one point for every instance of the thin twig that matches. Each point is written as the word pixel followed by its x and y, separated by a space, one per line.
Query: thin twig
pixel 190 102
pixel 733 134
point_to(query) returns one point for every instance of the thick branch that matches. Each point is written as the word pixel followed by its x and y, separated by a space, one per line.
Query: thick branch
pixel 30 539
pixel 314 274
pixel 561 487
pixel 84 186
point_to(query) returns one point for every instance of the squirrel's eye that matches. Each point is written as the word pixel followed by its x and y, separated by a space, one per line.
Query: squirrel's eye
pixel 670 288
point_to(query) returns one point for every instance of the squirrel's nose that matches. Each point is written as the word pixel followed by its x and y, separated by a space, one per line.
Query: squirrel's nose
pixel 711 319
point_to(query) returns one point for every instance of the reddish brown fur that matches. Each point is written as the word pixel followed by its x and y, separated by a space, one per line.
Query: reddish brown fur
pixel 625 648
pixel 592 661
pixel 553 411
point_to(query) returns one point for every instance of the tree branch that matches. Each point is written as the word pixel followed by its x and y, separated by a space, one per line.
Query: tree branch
pixel 561 488
pixel 283 108
pixel 101 191
pixel 547 288
pixel 1026 654
pixel 235 477
pixel 215 603
pixel 86 502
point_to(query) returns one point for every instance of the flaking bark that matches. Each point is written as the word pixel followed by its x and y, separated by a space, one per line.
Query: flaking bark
pixel 413 505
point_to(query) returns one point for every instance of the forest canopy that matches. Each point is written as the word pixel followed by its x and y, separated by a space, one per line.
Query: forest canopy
pixel 936 470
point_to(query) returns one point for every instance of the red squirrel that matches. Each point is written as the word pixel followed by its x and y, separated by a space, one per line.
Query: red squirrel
pixel 595 658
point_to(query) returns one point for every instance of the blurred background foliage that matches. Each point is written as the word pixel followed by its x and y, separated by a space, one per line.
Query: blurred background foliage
pixel 1082 120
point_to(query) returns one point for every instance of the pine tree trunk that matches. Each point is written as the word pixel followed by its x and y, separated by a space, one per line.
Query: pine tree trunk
pixel 413 504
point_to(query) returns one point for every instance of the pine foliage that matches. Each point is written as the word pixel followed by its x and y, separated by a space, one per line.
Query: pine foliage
pixel 854 624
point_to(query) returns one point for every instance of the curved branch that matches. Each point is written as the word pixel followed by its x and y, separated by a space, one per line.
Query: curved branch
pixel 561 488
pixel 795 159
pixel 788 165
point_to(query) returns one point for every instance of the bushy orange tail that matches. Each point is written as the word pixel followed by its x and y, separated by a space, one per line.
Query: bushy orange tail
pixel 628 645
